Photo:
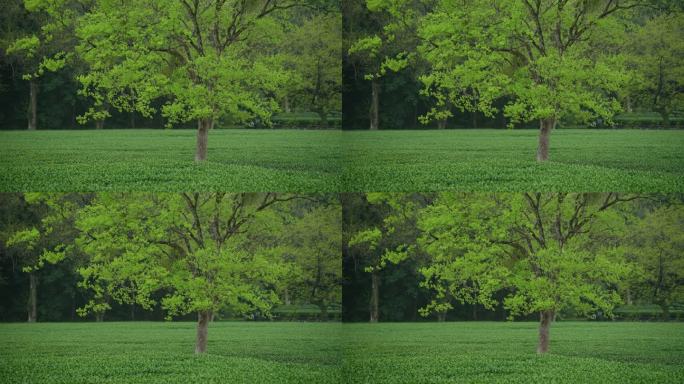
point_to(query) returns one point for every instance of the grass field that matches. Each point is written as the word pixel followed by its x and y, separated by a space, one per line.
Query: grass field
pixel 333 161
pixel 163 353
pixel 504 160
pixel 162 160
pixel 483 352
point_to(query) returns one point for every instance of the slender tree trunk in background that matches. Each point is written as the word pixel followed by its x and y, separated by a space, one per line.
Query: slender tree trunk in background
pixel 375 105
pixel 203 319
pixel 665 115
pixel 33 298
pixel 545 319
pixel 132 312
pixel 441 123
pixel 286 102
pixel 132 119
pixel 324 118
pixel 474 119
pixel 666 311
pixel 203 126
pixel 324 311
pixel 99 317
pixel 287 296
pixel 545 127
pixel 375 297
pixel 475 312
pixel 33 105
pixel 99 124
pixel 441 316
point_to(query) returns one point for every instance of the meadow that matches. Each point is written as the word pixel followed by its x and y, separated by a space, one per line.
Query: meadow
pixel 147 352
pixel 504 352
pixel 334 161
pixel 504 160
pixel 162 160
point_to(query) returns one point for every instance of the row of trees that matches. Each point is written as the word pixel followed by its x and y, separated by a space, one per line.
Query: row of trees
pixel 200 61
pixel 207 254
pixel 510 255
pixel 535 60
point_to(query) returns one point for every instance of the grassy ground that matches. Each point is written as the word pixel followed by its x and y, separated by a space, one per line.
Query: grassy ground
pixel 504 160
pixel 162 160
pixel 483 352
pixel 163 353
pixel 331 161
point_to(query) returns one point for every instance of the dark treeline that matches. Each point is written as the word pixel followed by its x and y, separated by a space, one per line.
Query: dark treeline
pixel 133 256
pixel 445 256
pixel 62 66
pixel 405 66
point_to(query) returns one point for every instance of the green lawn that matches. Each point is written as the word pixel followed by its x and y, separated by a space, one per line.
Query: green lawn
pixel 238 352
pixel 504 160
pixel 242 352
pixel 162 160
pixel 333 161
pixel 484 352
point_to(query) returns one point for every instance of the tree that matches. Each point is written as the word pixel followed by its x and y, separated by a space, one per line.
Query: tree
pixel 45 237
pixel 195 56
pixel 314 55
pixel 316 242
pixel 537 53
pixel 42 42
pixel 656 243
pixel 535 248
pixel 384 241
pixel 657 57
pixel 192 249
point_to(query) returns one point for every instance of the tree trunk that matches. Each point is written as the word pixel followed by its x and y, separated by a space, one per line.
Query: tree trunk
pixel 441 316
pixel 132 119
pixel 665 115
pixel 33 299
pixel 474 118
pixel 441 123
pixel 545 127
pixel 99 317
pixel 324 119
pixel 375 105
pixel 286 102
pixel 375 297
pixel 324 312
pixel 203 126
pixel 99 124
pixel 545 319
pixel 286 299
pixel 666 311
pixel 203 319
pixel 33 105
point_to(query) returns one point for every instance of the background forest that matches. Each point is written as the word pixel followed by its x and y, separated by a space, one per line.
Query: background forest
pixel 469 256
pixel 483 64
pixel 132 256
pixel 67 64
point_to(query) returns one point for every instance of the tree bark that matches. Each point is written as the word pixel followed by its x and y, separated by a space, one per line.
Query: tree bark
pixel 33 299
pixel 545 127
pixel 375 297
pixel 441 316
pixel 286 102
pixel 203 126
pixel 666 311
pixel 99 317
pixel 545 319
pixel 33 105
pixel 203 318
pixel 474 118
pixel 375 105
pixel 99 124
pixel 323 115
pixel 441 123
pixel 665 115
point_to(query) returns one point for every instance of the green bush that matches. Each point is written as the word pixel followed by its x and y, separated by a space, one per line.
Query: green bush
pixel 647 312
pixel 305 312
